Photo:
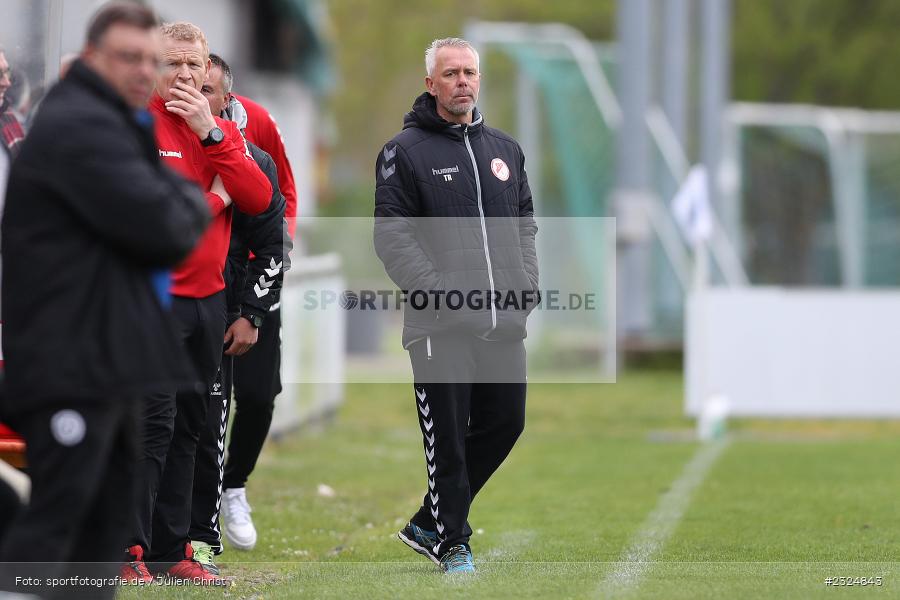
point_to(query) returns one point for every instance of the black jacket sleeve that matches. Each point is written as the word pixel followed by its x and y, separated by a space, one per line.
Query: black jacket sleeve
pixel 141 207
pixel 396 213
pixel 265 236
pixel 527 225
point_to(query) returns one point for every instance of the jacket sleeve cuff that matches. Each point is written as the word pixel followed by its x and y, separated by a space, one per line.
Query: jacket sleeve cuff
pixel 215 203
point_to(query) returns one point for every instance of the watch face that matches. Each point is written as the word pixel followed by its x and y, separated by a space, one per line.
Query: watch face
pixel 214 136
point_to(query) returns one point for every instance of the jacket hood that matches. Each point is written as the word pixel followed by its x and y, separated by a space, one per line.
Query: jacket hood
pixel 236 112
pixel 424 115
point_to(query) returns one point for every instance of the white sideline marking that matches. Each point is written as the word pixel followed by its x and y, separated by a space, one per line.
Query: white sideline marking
pixel 509 546
pixel 661 523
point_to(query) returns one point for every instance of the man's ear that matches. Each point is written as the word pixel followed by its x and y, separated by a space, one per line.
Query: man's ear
pixel 88 53
pixel 208 66
pixel 429 85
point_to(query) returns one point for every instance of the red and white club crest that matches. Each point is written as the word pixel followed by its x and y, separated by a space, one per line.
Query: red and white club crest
pixel 499 169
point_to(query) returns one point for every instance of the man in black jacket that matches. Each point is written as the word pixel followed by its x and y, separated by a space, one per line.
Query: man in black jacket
pixel 92 220
pixel 252 288
pixel 455 229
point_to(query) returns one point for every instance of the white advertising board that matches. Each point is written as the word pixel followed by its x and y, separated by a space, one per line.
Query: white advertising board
pixel 774 352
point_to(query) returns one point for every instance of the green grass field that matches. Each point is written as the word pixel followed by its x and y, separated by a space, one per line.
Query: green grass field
pixel 786 505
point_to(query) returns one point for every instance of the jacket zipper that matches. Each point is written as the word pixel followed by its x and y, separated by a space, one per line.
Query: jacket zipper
pixel 487 252
pixel 428 347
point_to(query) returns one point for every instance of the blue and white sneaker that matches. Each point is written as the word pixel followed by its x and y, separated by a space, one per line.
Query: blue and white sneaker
pixel 420 540
pixel 458 559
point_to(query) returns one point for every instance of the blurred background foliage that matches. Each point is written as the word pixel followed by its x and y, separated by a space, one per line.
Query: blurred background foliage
pixel 829 52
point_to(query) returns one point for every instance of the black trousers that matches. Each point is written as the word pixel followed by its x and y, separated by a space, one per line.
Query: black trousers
pixel 10 505
pixel 172 426
pixel 80 457
pixel 210 464
pixel 470 400
pixel 255 379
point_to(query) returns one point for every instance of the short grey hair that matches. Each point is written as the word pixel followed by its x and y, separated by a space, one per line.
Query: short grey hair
pixel 431 51
pixel 227 77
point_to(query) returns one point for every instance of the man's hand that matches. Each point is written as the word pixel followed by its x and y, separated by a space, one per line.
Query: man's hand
pixel 218 188
pixel 242 336
pixel 193 107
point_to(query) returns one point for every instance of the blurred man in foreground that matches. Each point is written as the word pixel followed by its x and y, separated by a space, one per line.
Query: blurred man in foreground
pixel 91 215
pixel 253 291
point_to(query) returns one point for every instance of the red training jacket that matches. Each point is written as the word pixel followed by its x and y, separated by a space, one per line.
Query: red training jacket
pixel 200 275
pixel 263 131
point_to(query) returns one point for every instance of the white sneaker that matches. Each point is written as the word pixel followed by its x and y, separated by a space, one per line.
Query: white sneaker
pixel 236 522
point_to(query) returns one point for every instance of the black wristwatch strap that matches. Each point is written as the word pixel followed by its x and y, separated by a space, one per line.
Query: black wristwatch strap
pixel 255 319
pixel 214 137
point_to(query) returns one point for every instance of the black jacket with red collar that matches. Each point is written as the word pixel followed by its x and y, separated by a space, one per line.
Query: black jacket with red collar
pixel 253 286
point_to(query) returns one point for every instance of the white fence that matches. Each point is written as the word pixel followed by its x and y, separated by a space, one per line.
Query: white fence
pixel 773 352
pixel 313 358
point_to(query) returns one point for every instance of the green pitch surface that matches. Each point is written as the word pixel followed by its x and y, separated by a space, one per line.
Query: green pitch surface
pixel 601 498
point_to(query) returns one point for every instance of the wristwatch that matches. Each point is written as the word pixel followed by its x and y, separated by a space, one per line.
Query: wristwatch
pixel 255 320
pixel 215 136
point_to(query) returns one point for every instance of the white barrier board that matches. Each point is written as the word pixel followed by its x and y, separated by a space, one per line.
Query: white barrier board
pixel 312 344
pixel 774 352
